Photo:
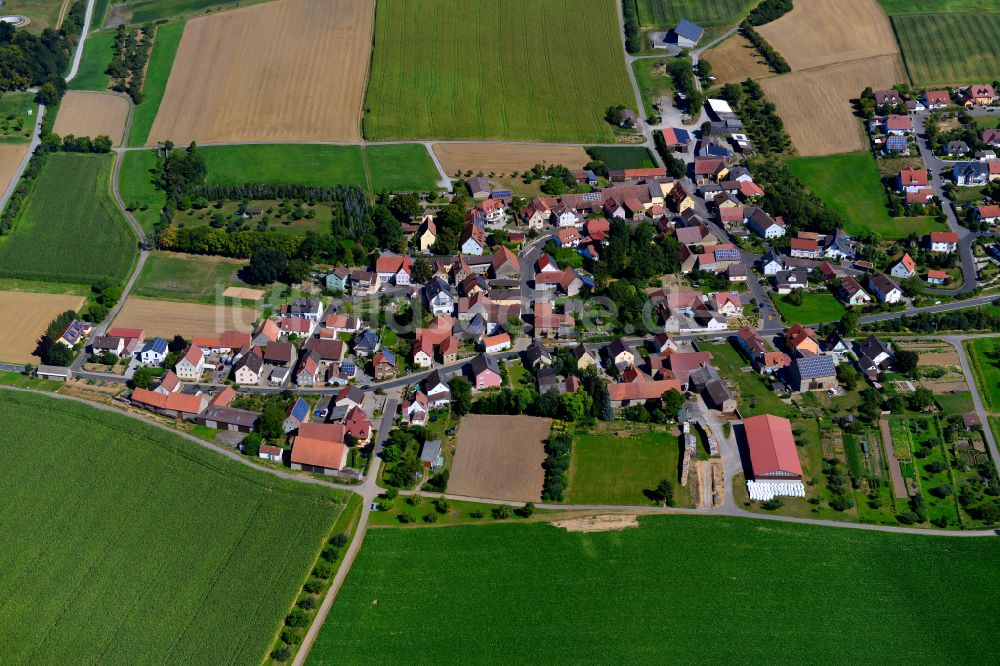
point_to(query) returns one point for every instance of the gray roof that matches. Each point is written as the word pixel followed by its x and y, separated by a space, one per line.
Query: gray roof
pixel 241 417
pixel 252 361
pixel 484 362
pixel 718 392
pixel 689 30
pixel 815 366
pixel 872 347
pixel 53 370
pixel 430 451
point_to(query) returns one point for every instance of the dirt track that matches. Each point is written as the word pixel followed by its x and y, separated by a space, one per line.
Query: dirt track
pixel 500 457
pixel 289 70
pixel 25 317
pixel 92 114
pixel 167 319
pixel 505 158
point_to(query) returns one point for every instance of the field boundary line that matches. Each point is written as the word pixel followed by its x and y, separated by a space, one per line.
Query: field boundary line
pixel 368 75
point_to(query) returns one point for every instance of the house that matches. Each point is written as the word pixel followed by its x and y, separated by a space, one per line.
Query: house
pixel 107 344
pixel 566 281
pixel 565 217
pixel 988 214
pixel 440 296
pixel 936 276
pixel 905 268
pixel 337 280
pixel 536 356
pixel 912 180
pixel 75 331
pixel 762 224
pixel 943 241
pixel 921 196
pixel 437 390
pixel 492 212
pixel 887 97
pixel 505 264
pixel 434 342
pixel 54 372
pixel 228 418
pixel 813 373
pixel 838 246
pixel 664 343
pixel 271 453
pixel 936 99
pixel 472 241
pixel 154 353
pixel 485 372
pixel 300 328
pixel 873 356
pixel 836 347
pixel 479 187
pixel 363 283
pixel 548 324
pixel 176 405
pixel 687 34
pixel 247 371
pixel 619 354
pixel 804 248
pixel 349 396
pixel 496 343
pixel 191 365
pixel 979 95
pixel 584 358
pixel 956 148
pixel 728 304
pixel 991 137
pixel 303 308
pixel 569 237
pixel 885 289
pixel 774 460
pixel 384 364
pixel 852 292
pixel 169 383
pixel 267 332
pixel 319 448
pixel 367 342
pixel 281 354
pixel 709 168
pixel 970 174
pixel 132 337
pixel 297 414
pixel 676 138
pixel 426 234
pixel 430 455
pixel 337 324
pixel 787 281
pixel 308 370
pixel 358 425
pixel 771 264
pixel 535 215
pixel 415 411
pixel 897 125
pixel 898 145
pixel 394 269
pixel 639 393
pixel 801 341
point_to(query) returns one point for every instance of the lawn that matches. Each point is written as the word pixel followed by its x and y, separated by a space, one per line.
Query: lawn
pixel 144 548
pixel 755 396
pixel 851 186
pixel 984 354
pixel 652 86
pixel 97 53
pixel 135 185
pixel 622 157
pixel 706 13
pixel 815 309
pixel 928 43
pixel 16 123
pixel 955 403
pixel 70 229
pixel 191 279
pixel 543 70
pixel 612 469
pixel 401 167
pixel 161 59
pixel 537 594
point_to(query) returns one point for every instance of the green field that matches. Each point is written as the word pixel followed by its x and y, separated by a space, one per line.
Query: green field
pixel 402 167
pixel 178 277
pixel 161 59
pixel 652 86
pixel 136 188
pixel 850 185
pixel 623 157
pixel 544 70
pixel 728 590
pixel 984 354
pixel 929 43
pixel 893 7
pixel 143 548
pixel 97 53
pixel 144 11
pixel 607 469
pixel 955 403
pixel 43 13
pixel 815 309
pixel 70 229
pixel 16 124
pixel 706 13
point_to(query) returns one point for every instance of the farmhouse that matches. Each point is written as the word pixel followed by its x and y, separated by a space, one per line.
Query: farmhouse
pixel 191 365
pixel 154 353
pixel 639 393
pixel 228 418
pixel 804 248
pixel 852 292
pixel 936 99
pixel 247 370
pixel 937 277
pixel 394 269
pixel 177 405
pixel 989 214
pixel 75 331
pixel 912 180
pixel 319 448
pixel 873 356
pixel 763 224
pixel 774 462
pixel 813 373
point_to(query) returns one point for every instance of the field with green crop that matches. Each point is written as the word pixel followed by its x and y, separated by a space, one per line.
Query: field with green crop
pixel 931 44
pixel 161 59
pixel 70 229
pixel 893 7
pixel 544 70
pixel 850 185
pixel 143 548
pixel 706 13
pixel 984 354
pixel 97 53
pixel 144 11
pixel 622 157
pixel 135 185
pixel 401 167
pixel 617 597
pixel 815 309
pixel 611 469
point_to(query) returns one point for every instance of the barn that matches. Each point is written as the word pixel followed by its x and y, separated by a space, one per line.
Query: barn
pixel 774 462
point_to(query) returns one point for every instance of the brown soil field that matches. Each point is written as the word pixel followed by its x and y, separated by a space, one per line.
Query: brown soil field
pixel 505 158
pixel 939 388
pixel 815 104
pixel 822 32
pixel 26 316
pixel 282 71
pixel 734 60
pixel 11 155
pixel 92 114
pixel 500 457
pixel 939 358
pixel 244 293
pixel 167 319
pixel 598 523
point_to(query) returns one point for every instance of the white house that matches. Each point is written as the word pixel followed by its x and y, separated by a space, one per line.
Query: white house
pixel 154 353
pixel 885 289
pixel 191 365
pixel 905 268
pixel 565 216
pixel 771 264
pixel 763 224
pixel 943 241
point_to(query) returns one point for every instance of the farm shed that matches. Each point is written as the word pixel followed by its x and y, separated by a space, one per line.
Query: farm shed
pixel 55 372
pixel 773 458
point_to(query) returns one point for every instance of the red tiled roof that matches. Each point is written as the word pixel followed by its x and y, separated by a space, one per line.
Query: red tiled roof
pixel 177 402
pixel 771 445
pixel 642 390
pixel 913 177
pixel 944 237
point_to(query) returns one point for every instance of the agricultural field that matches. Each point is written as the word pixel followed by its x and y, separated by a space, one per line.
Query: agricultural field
pixel 17 117
pixel 278 215
pixel 928 42
pixel 279 164
pixel 740 564
pixel 11 155
pixel 500 457
pixel 984 355
pixel 70 229
pixel 161 60
pixel 272 77
pixel 193 279
pixel 166 320
pixel 93 114
pixel 893 7
pixel 622 157
pixel 815 309
pixel 850 185
pixel 816 103
pixel 402 167
pixel 146 11
pixel 98 51
pixel 620 465
pixel 26 316
pixel 135 185
pixel 448 69
pixel 151 546
pixel 813 34
pixel 505 158
pixel 706 13
pixel 735 60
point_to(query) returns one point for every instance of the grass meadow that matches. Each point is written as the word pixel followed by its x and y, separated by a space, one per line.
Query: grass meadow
pixel 623 157
pixel 16 124
pixel 733 590
pixel 851 186
pixel 97 53
pixel 144 548
pixel 70 229
pixel 400 167
pixel 706 13
pixel 815 309
pixel 893 7
pixel 135 185
pixel 145 11
pixel 930 44
pixel 984 353
pixel 543 70
pixel 161 59
pixel 181 277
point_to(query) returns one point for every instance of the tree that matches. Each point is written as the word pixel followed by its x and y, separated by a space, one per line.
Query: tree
pixel 554 187
pixel 58 354
pixel 665 492
pixel 922 399
pixel 849 323
pixel 575 406
pixel 251 444
pixel 422 271
pixel 144 378
pixel 848 375
pixel 266 266
pixel 514 326
pixel 501 512
pixel 906 362
pixel 29 369
pixel 272 419
pixel 672 402
pixel 461 395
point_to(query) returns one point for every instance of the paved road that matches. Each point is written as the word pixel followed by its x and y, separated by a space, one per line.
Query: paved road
pixel 645 128
pixel 970 379
pixel 88 15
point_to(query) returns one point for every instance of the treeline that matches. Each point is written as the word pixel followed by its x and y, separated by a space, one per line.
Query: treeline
pixel 786 196
pixel 559 451
pixel 760 117
pixel 28 60
pixel 633 34
pixel 985 318
pixel 768 11
pixel 676 167
pixel 238 244
pixel 131 53
pixel 774 59
pixel 682 72
pixel 77 144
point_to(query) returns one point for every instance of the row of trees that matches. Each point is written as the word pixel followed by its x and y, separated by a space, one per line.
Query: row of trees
pixel 774 60
pixel 633 32
pixel 760 117
pixel 559 451
pixel 131 52
pixel 768 11
pixel 685 86
pixel 986 318
pixel 786 196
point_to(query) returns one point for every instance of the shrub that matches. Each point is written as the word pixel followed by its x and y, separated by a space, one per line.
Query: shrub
pixel 773 504
pixel 330 553
pixel 313 586
pixel 323 569
pixel 413 500
pixel 526 511
pixel 431 517
pixel 405 518
pixel 477 514
pixel 340 539
pixel 501 512
pixel 442 505
pixel 308 603
pixel 290 636
pixel 298 618
pixel 281 654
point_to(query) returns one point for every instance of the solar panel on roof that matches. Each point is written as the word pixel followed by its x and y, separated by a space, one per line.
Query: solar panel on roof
pixel 592 196
pixel 300 410
pixel 348 369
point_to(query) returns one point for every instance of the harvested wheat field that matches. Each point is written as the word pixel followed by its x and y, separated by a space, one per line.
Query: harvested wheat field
pixel 500 457
pixel 26 316
pixel 505 158
pixel 167 319
pixel 245 293
pixel 822 32
pixel 92 114
pixel 293 70
pixel 734 60
pixel 11 155
pixel 816 104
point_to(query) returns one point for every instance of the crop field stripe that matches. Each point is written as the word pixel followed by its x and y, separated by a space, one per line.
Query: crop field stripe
pixel 929 40
pixel 161 60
